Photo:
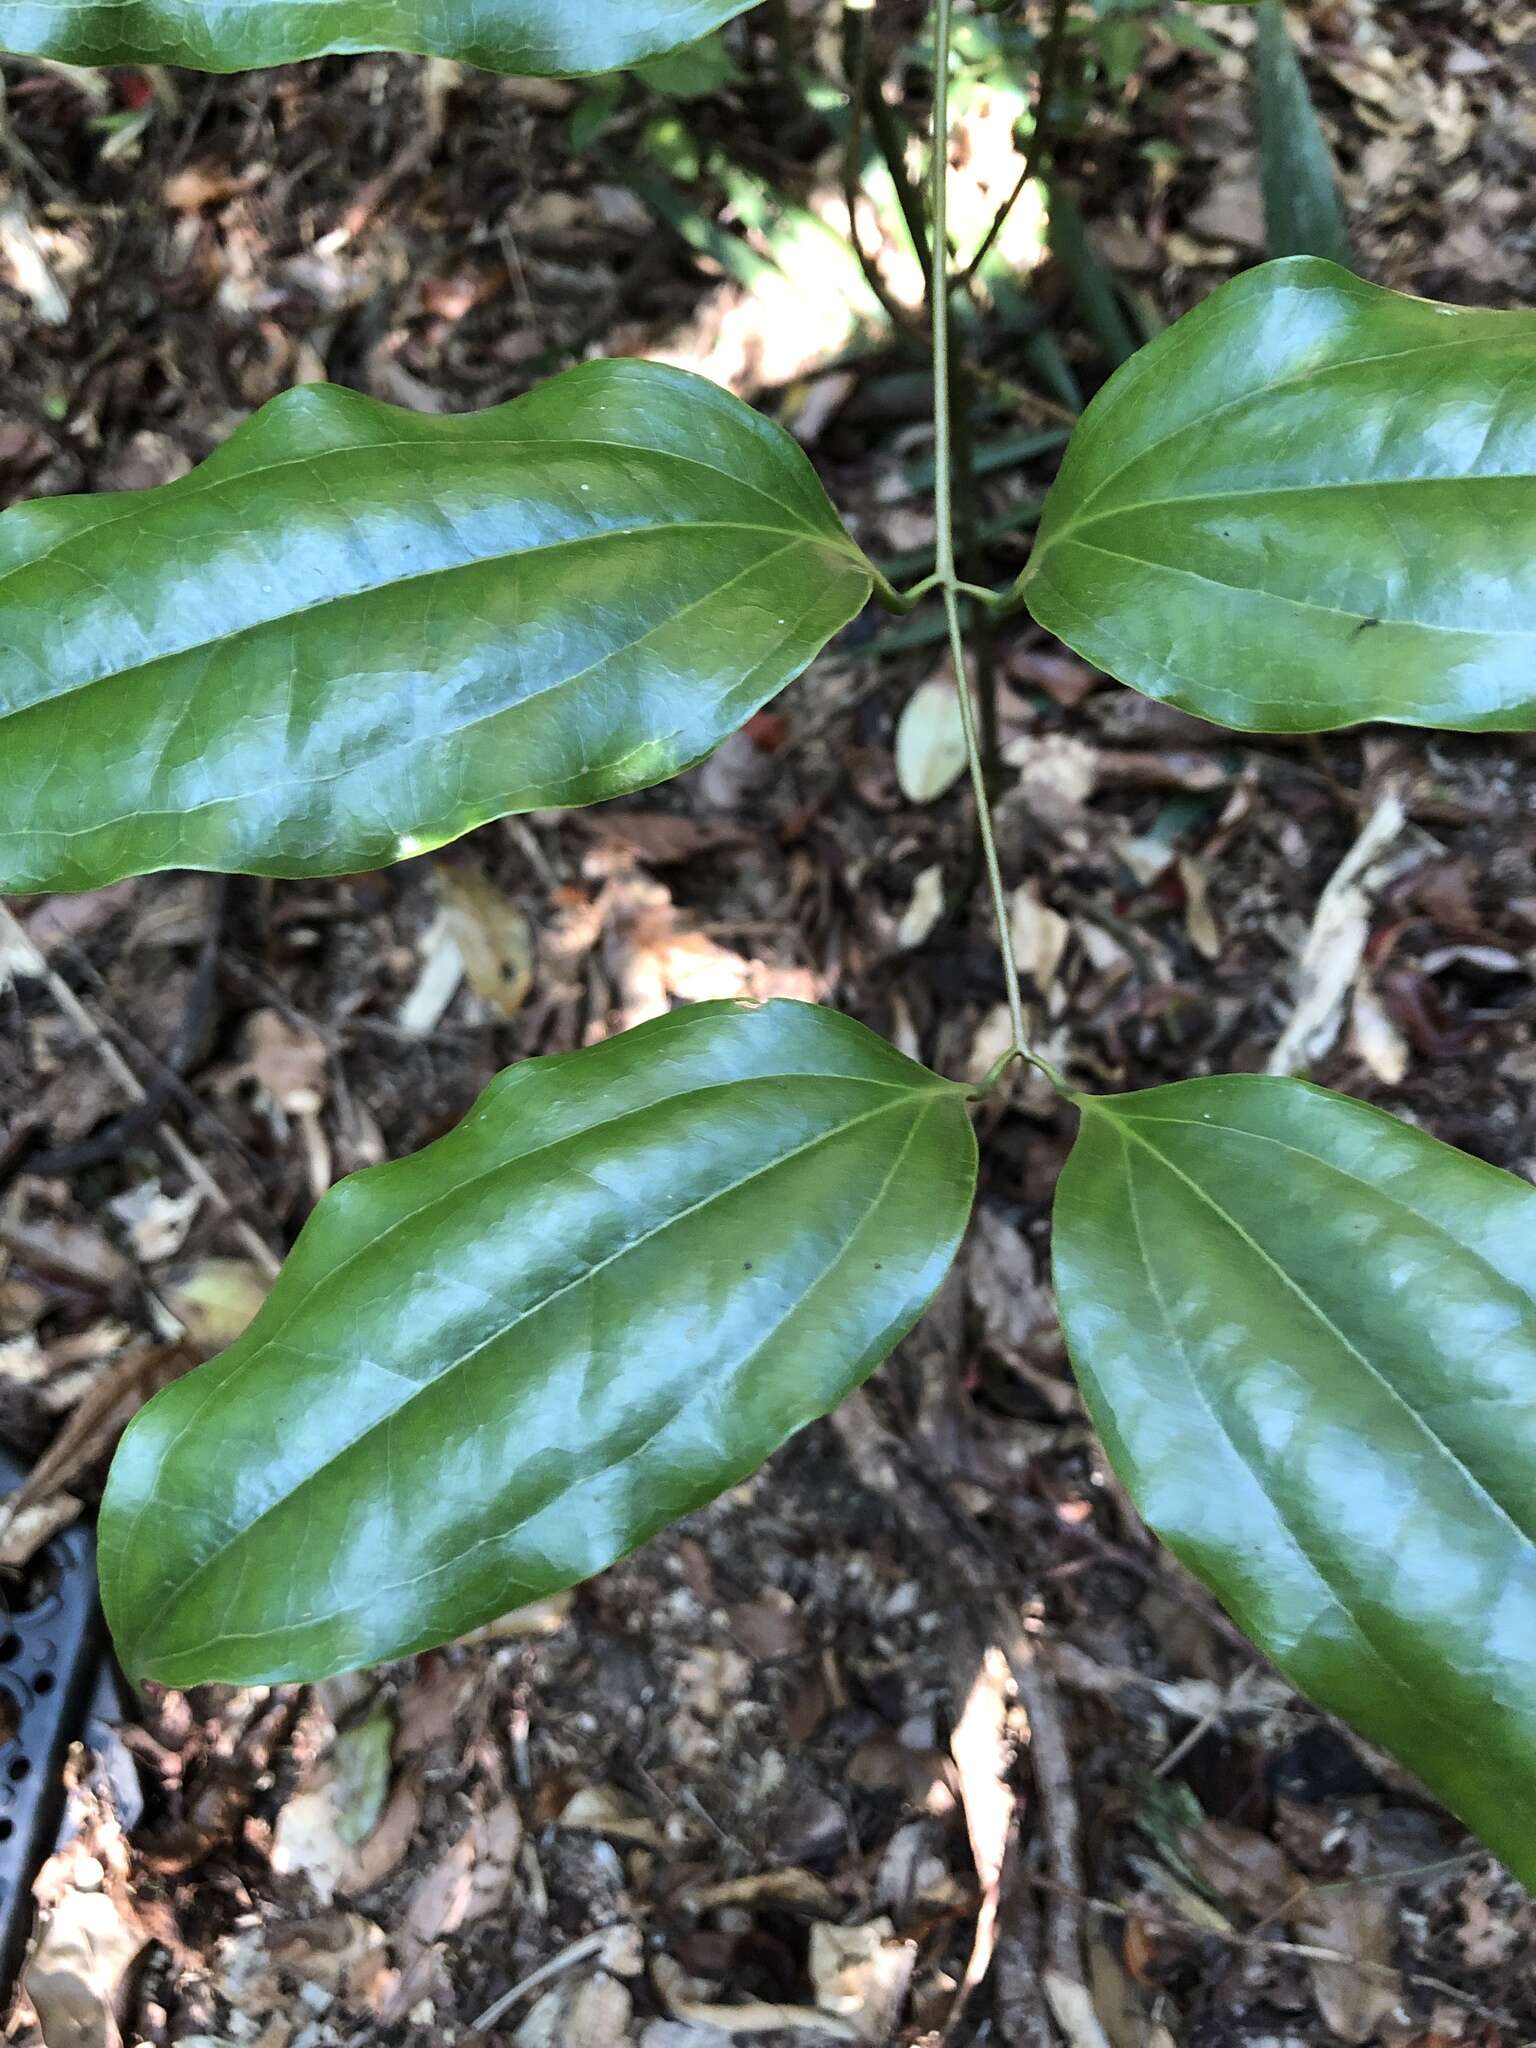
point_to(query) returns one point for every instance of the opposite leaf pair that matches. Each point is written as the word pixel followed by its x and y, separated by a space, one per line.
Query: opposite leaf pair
pixel 1307 504
pixel 1306 1331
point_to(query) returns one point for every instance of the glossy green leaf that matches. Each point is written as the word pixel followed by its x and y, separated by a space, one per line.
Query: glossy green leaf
pixel 356 631
pixel 488 1371
pixel 1307 503
pixel 1307 1333
pixel 547 37
pixel 1302 214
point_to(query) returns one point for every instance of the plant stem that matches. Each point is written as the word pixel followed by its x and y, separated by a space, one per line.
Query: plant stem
pixel 1050 73
pixel 944 537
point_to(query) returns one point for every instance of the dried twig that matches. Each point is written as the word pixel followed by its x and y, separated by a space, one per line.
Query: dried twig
pixel 1051 1763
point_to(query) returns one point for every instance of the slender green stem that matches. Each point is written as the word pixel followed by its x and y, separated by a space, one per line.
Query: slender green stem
pixel 944 537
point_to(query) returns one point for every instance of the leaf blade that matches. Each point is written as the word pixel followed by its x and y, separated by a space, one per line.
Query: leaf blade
pixel 1307 1333
pixel 356 632
pixel 803 1188
pixel 1307 504
pixel 572 39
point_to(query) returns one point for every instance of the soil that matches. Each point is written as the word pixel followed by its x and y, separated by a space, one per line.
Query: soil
pixel 922 1698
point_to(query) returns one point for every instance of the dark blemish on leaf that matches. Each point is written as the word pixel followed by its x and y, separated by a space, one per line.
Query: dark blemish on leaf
pixel 1364 626
pixel 746 1265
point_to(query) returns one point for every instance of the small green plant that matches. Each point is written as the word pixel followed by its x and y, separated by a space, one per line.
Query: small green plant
pixel 1307 1331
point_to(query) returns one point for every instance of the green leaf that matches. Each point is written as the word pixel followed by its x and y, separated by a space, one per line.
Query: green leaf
pixel 1301 193
pixel 356 632
pixel 490 1370
pixel 1307 503
pixel 545 37
pixel 692 72
pixel 1307 1333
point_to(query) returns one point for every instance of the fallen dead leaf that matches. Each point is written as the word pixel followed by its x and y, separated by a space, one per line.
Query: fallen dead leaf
pixel 785 1887
pixel 591 2012
pixel 752 2017
pixel 924 910
pixel 862 1974
pixel 605 1810
pixel 1039 936
pixel 75 1975
pixel 214 1300
pixel 491 934
pixel 930 742
pixel 1335 945
pixel 288 1060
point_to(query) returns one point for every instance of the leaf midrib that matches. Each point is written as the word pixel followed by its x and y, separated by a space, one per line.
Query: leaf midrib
pixel 493 559
pixel 1334 1595
pixel 1302 490
pixel 1308 375
pixel 1493 632
pixel 392 1415
pixel 1394 1394
pixel 457 1562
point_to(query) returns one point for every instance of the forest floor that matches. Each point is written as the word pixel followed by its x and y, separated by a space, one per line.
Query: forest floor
pixel 784 1774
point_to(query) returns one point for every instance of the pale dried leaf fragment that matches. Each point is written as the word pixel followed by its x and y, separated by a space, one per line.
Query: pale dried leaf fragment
pixel 592 2012
pixel 75 1975
pixel 605 1810
pixel 1039 936
pixel 24 1533
pixel 862 1975
pixel 1334 947
pixel 215 1300
pixel 924 910
pixel 492 935
pixel 930 742
pixel 752 2017
pixel 1373 1036
pixel 979 1746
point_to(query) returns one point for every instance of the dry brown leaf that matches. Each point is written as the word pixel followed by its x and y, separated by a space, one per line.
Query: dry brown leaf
pixel 752 2017
pixel 23 1534
pixel 1360 1921
pixel 979 1745
pixel 924 910
pixel 661 839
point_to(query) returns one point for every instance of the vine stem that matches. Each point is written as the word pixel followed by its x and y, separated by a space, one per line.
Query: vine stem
pixel 944 525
